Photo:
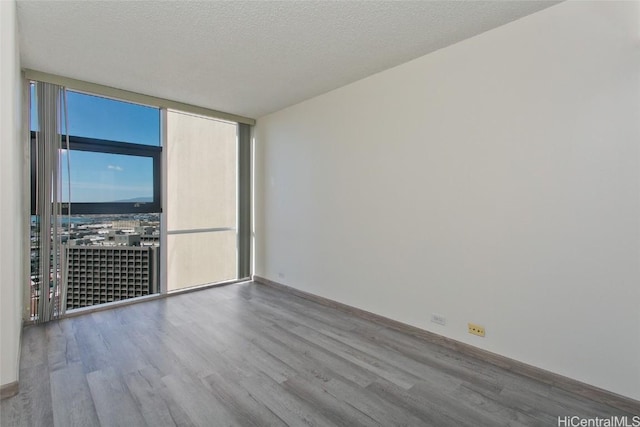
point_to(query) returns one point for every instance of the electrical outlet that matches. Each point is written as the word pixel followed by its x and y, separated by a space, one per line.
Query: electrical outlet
pixel 476 329
pixel 439 319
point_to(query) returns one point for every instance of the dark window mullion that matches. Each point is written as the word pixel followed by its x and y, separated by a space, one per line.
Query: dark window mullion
pixel 107 147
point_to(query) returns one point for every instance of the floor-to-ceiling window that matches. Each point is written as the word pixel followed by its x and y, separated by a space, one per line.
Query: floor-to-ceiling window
pixel 113 219
pixel 101 234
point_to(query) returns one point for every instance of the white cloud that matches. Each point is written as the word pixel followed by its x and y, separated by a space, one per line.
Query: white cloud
pixel 116 168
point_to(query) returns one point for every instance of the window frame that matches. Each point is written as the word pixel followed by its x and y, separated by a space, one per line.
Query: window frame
pixel 94 145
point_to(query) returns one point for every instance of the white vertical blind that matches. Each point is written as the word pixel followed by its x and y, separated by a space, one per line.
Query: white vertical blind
pixel 48 144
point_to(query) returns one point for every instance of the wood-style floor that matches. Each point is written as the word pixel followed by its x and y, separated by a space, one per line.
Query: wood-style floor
pixel 251 355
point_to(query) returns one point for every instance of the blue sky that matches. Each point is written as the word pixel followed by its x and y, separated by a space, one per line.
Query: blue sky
pixel 98 177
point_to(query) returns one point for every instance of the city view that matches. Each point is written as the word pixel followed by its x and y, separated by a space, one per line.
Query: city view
pixel 110 158
pixel 110 258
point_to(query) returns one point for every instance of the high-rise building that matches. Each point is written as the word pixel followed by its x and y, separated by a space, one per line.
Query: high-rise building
pixel 125 224
pixel 100 274
pixel 127 239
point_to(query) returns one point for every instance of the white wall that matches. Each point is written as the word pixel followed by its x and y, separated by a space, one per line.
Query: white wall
pixel 11 214
pixel 495 181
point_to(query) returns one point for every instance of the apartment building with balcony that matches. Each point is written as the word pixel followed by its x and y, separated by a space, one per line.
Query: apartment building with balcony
pixel 102 274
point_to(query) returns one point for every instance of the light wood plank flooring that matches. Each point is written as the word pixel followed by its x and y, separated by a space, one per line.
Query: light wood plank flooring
pixel 251 355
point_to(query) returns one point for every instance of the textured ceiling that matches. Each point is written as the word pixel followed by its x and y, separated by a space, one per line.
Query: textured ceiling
pixel 247 58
